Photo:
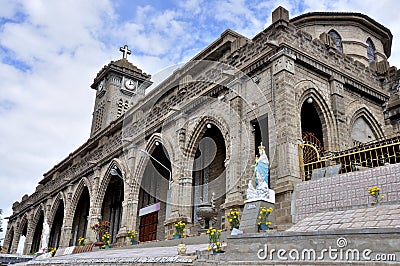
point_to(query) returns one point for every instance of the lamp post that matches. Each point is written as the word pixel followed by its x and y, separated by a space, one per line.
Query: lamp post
pixel 168 207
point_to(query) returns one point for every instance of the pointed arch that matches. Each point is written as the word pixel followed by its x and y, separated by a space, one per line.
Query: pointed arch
pixel 8 241
pixel 79 210
pixel 141 166
pixel 370 50
pixel 56 202
pixel 338 39
pixel 20 229
pixel 34 234
pixel 84 182
pixel 329 127
pixel 365 113
pixel 201 127
pixel 114 164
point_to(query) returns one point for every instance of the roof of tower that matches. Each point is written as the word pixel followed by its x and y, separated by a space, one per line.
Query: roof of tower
pixel 121 66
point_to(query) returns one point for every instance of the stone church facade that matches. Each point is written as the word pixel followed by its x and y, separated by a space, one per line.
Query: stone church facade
pixel 155 156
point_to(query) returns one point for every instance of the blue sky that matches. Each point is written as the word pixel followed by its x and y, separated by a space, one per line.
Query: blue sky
pixel 50 52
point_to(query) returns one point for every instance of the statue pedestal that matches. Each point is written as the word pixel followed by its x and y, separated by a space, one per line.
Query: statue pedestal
pixel 251 211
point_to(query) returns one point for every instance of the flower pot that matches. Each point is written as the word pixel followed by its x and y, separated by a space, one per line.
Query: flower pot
pixel 107 247
pixel 99 243
pixel 263 227
pixel 217 251
pixel 181 249
pixel 176 236
pixel 134 242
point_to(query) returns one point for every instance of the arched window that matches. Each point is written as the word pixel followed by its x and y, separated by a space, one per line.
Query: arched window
pixel 337 38
pixel 370 51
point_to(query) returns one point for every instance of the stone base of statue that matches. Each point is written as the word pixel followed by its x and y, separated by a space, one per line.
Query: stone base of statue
pixel 256 198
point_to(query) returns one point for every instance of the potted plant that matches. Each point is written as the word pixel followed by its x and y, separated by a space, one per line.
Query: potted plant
pixel 81 241
pixel 375 193
pixel 263 223
pixel 179 229
pixel 133 236
pixel 233 218
pixel 106 240
pixel 214 244
pixel 100 229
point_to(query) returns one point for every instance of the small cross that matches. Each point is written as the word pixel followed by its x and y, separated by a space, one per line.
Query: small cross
pixel 125 51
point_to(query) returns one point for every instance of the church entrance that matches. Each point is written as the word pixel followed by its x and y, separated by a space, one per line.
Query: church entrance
pixel 112 204
pixel 311 126
pixel 37 236
pixel 209 180
pixel 55 232
pixel 153 207
pixel 80 221
pixel 148 227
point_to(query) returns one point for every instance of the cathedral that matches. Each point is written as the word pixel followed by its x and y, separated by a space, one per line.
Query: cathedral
pixel 317 84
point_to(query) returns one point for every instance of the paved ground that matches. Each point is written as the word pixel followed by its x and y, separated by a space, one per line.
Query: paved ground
pixel 124 255
pixel 382 216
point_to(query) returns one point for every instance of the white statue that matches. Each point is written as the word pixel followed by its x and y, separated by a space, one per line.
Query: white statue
pixel 250 189
pixel 261 191
pixel 261 169
pixel 45 237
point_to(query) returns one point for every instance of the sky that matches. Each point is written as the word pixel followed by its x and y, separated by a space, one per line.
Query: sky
pixel 50 52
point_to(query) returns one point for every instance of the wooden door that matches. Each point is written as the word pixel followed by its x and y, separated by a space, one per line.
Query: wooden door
pixel 148 227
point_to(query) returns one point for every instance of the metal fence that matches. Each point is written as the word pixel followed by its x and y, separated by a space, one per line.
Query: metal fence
pixel 315 163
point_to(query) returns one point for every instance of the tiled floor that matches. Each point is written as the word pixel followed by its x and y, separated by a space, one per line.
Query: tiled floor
pixel 380 216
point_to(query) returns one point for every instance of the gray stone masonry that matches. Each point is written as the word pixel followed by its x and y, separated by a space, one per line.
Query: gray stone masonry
pixel 251 210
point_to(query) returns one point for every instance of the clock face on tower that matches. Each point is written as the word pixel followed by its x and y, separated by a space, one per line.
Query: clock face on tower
pixel 130 84
pixel 101 85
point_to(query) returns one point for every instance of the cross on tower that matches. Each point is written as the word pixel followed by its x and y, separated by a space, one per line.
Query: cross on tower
pixel 125 51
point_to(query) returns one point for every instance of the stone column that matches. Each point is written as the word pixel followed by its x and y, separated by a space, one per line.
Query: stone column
pixel 130 204
pixel 66 230
pixel 338 107
pixel 181 188
pixel 94 209
pixel 17 235
pixel 29 233
pixel 285 167
pixel 233 164
pixel 7 238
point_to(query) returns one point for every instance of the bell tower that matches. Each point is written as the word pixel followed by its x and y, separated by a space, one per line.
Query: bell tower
pixel 119 85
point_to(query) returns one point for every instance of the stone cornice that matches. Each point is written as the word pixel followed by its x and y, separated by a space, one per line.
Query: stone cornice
pixel 329 71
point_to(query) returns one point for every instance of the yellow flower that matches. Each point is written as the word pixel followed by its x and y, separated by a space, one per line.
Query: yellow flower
pixel 383 197
pixel 221 230
pixel 208 248
pixel 259 217
pixel 218 243
pixel 230 220
pixel 259 223
pixel 261 212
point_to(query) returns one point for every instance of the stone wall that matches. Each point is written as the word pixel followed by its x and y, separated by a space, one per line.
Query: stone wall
pixel 345 191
